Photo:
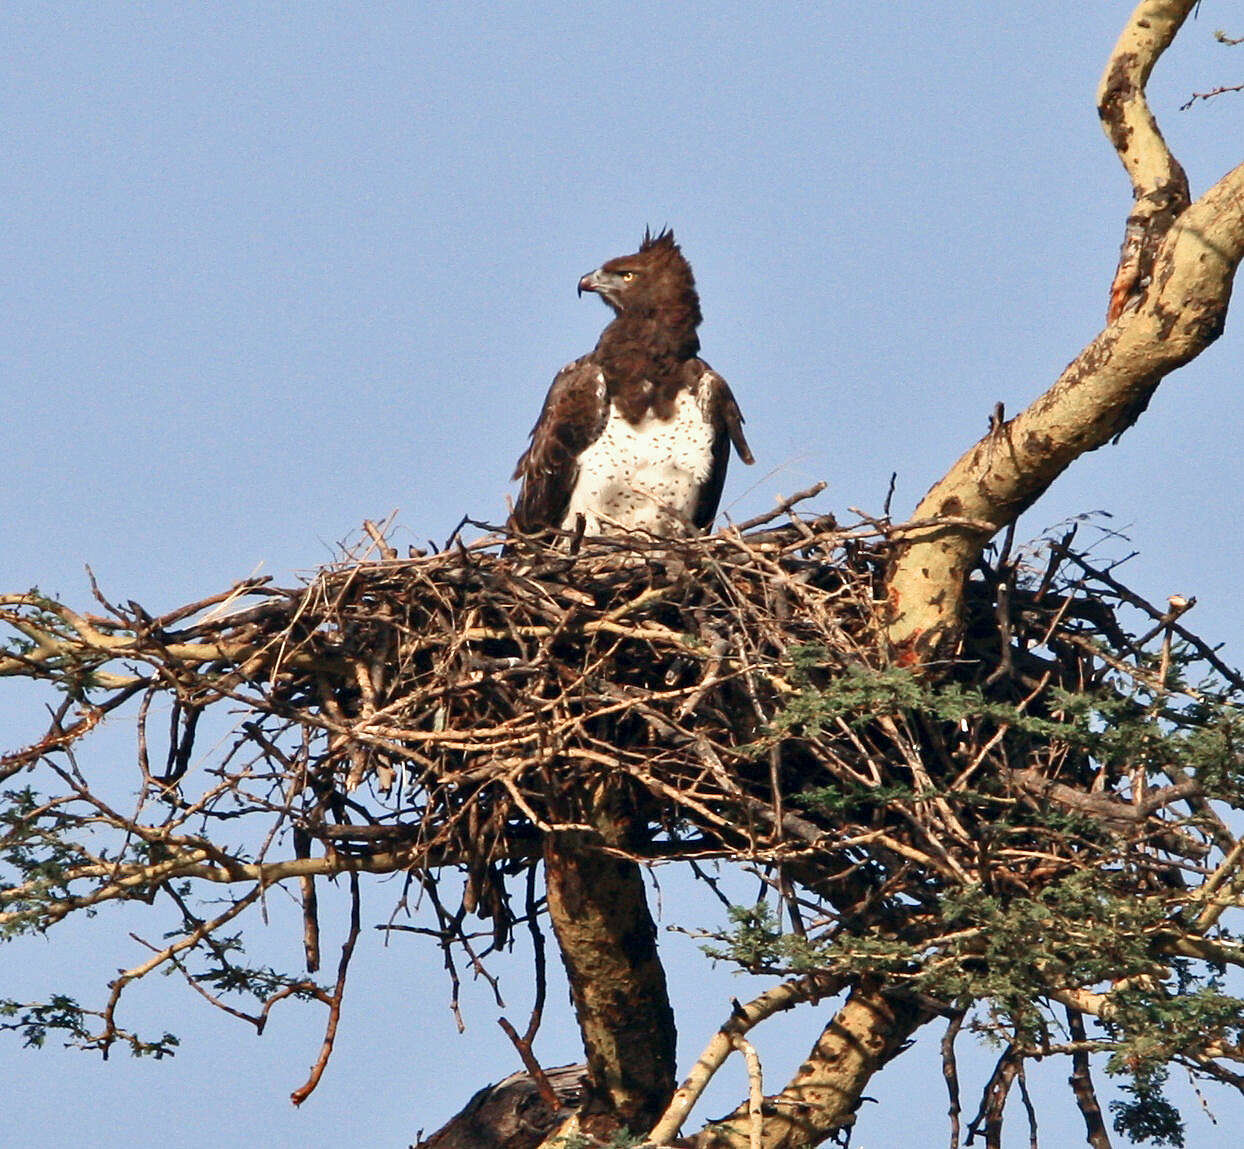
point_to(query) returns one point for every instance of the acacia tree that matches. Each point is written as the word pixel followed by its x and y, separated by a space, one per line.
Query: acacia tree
pixel 992 788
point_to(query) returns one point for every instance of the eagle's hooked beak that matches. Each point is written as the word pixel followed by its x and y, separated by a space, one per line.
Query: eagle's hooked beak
pixel 591 282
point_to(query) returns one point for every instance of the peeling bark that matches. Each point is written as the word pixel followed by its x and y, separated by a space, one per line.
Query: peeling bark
pixel 822 1097
pixel 1179 281
pixel 1159 185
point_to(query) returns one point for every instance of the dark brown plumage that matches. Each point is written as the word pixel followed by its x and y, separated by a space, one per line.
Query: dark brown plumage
pixel 637 434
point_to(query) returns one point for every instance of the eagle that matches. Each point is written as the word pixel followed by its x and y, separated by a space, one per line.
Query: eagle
pixel 636 435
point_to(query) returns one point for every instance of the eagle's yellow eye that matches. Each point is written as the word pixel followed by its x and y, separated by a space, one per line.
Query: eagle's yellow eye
pixel 627 276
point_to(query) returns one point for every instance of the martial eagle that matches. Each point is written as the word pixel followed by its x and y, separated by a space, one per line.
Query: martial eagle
pixel 637 434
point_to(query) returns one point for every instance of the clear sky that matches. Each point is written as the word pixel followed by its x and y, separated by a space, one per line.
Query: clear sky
pixel 268 270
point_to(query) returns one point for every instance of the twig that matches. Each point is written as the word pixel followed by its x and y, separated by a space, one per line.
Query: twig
pixel 782 507
pixel 1213 91
pixel 547 1093
pixel 334 1002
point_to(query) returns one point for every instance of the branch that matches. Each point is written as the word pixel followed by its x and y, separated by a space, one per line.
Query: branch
pixel 1105 389
pixel 77 638
pixel 993 1099
pixel 1081 1082
pixel 743 1018
pixel 1159 185
pixel 822 1097
pixel 950 1072
pixel 755 1093
pixel 1219 91
pixel 334 1001
pixel 1227 874
pixel 205 929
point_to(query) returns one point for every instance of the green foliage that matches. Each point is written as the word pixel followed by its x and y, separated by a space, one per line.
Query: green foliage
pixel 224 974
pixel 1003 955
pixel 985 947
pixel 48 872
pixel 1101 914
pixel 857 694
pixel 920 853
pixel 34 1021
pixel 71 668
pixel 756 942
pixel 1147 1114
pixel 1154 1024
pixel 854 800
pixel 1077 931
pixel 37 856
pixel 860 694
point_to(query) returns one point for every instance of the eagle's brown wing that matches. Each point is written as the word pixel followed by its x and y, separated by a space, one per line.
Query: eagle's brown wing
pixel 573 416
pixel 723 412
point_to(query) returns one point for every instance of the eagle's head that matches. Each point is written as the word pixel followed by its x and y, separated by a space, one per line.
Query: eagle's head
pixel 655 279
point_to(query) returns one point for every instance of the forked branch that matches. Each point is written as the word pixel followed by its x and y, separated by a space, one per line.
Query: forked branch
pixel 724 1042
pixel 822 1097
pixel 1175 279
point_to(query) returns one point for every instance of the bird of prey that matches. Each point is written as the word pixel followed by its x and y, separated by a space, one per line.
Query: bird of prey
pixel 636 435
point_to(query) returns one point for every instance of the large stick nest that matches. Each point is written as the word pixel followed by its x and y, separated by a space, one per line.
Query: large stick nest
pixel 452 708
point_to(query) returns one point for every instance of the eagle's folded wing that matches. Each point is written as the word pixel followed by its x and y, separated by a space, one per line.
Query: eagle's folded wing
pixel 571 419
pixel 723 413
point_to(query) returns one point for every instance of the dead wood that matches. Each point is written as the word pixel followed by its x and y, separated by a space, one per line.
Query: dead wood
pixel 511 1114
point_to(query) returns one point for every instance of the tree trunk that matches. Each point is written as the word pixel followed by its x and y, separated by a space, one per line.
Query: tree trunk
pixel 599 910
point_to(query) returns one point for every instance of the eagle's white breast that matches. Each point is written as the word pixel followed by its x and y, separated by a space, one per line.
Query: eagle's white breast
pixel 645 476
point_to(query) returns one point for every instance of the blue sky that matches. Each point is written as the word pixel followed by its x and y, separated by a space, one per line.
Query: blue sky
pixel 266 271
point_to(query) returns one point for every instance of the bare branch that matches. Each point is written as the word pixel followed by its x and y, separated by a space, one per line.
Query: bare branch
pixel 1096 398
pixel 334 1000
pixel 1178 265
pixel 823 1096
pixel 742 1018
pixel 1159 185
